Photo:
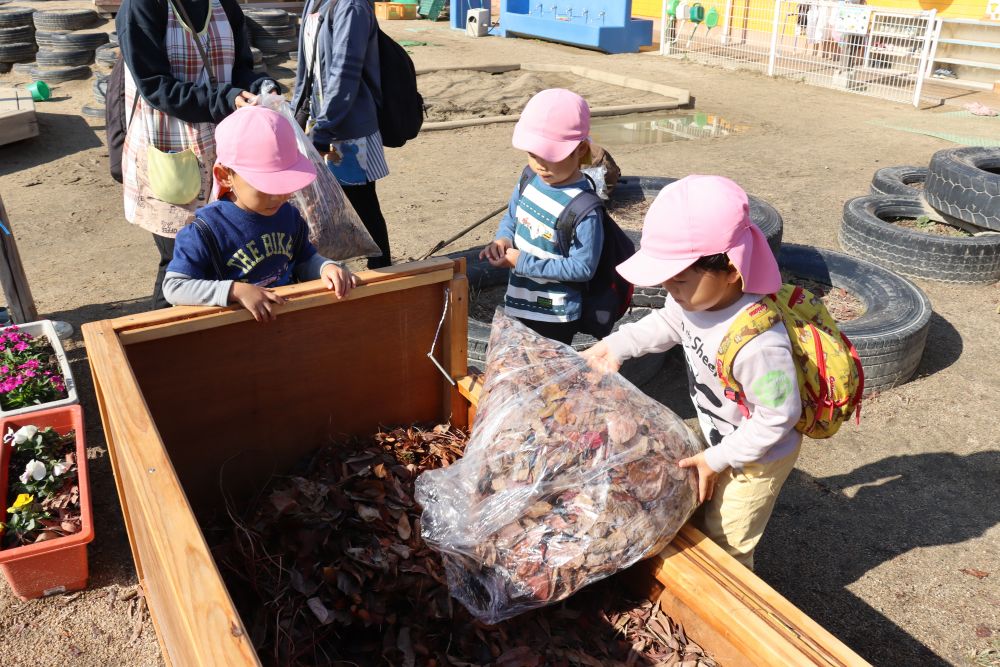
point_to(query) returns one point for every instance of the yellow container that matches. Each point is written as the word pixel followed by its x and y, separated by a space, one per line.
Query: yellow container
pixel 395 11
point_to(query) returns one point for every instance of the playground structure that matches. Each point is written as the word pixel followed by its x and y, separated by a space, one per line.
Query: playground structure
pixel 864 49
pixel 605 25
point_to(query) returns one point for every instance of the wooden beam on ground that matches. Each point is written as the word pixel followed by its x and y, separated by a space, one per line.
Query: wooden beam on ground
pixel 17 116
pixel 12 278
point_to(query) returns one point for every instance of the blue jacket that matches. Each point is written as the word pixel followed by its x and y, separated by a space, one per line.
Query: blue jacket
pixel 347 89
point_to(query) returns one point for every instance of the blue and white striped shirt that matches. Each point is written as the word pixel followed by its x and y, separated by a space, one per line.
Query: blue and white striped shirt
pixel 544 285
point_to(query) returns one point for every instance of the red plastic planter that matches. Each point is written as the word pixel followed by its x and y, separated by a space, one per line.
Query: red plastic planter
pixel 60 564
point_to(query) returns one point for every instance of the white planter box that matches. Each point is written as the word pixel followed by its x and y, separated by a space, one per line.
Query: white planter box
pixel 44 329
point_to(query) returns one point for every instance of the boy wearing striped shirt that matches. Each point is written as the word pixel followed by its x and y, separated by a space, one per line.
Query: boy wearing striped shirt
pixel 545 290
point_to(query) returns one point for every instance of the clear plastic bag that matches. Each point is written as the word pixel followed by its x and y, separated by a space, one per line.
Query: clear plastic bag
pixel 334 227
pixel 569 476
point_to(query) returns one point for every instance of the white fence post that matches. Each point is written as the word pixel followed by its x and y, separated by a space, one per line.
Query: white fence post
pixel 930 34
pixel 774 37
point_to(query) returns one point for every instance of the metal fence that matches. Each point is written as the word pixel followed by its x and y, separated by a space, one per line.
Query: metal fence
pixel 862 49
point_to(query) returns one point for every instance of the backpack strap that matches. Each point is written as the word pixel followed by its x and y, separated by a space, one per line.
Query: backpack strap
pixel 526 175
pixel 208 238
pixel 576 210
pixel 753 321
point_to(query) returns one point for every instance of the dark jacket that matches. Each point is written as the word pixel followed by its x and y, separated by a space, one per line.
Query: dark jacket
pixel 347 71
pixel 142 28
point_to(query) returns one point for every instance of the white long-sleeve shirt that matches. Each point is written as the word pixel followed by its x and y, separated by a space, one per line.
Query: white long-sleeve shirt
pixel 764 368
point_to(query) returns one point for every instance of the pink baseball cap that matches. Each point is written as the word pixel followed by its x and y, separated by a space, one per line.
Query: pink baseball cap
pixel 259 144
pixel 695 217
pixel 553 123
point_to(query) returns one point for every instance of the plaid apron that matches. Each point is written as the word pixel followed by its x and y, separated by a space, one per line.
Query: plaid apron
pixel 172 134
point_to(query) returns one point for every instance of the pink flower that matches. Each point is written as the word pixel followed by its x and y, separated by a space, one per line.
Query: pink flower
pixel 21 347
pixel 4 370
pixel 30 364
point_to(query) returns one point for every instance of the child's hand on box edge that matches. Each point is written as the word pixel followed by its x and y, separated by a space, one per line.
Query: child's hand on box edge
pixel 258 300
pixel 339 279
pixel 706 476
pixel 600 358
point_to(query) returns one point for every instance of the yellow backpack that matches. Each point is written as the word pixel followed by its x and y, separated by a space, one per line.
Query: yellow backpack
pixel 827 365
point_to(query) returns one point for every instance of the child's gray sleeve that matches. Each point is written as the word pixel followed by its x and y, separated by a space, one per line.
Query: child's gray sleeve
pixel 183 290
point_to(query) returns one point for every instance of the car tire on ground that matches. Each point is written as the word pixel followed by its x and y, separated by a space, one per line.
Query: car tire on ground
pixel 60 74
pixel 267 17
pixel 63 57
pixel 17 34
pixel 94 111
pixel 272 45
pixel 65 19
pixel 107 55
pixel 14 17
pixel 951 259
pixel 898 181
pixel 90 39
pixel 633 188
pixel 965 184
pixel 891 334
pixel 18 52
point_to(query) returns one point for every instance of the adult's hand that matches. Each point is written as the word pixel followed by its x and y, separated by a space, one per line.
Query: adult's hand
pixel 245 98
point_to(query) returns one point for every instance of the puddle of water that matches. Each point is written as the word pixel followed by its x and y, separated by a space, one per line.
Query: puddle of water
pixel 646 129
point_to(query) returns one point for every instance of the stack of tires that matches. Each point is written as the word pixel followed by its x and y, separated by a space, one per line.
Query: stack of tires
pixel 274 32
pixel 961 188
pixel 104 59
pixel 66 48
pixel 17 37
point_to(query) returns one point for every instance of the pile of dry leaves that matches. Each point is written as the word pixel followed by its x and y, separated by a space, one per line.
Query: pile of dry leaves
pixel 329 569
pixel 571 475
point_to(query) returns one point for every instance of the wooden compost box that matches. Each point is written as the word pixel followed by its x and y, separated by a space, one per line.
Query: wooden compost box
pixel 182 391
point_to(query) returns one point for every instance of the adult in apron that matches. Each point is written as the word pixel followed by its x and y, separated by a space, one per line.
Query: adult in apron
pixel 338 50
pixel 188 66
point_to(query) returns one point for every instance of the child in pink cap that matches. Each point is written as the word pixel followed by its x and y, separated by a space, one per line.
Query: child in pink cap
pixel 545 289
pixel 250 238
pixel 698 243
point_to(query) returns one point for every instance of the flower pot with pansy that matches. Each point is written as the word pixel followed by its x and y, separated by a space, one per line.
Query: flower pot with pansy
pixel 34 371
pixel 47 520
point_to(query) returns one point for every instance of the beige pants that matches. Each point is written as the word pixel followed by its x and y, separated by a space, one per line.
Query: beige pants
pixel 741 505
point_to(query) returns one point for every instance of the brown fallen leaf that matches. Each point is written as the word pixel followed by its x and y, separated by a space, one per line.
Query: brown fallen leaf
pixel 982 631
pixel 403 527
pixel 973 572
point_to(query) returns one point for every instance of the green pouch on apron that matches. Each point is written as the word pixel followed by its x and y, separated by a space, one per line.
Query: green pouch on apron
pixel 174 178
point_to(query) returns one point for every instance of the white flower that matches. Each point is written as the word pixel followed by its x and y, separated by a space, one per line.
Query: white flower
pixel 9 435
pixel 24 434
pixel 59 468
pixel 35 470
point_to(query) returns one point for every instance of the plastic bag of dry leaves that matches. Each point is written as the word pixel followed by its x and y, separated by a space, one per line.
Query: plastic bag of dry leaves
pixel 569 476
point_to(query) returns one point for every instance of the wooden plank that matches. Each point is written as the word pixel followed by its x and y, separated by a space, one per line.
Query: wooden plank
pixel 316 295
pixel 281 389
pixel 194 613
pixel 156 322
pixel 17 116
pixel 737 611
pixel 12 278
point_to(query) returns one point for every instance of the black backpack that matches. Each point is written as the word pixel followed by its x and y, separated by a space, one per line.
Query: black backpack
pixel 608 296
pixel 402 110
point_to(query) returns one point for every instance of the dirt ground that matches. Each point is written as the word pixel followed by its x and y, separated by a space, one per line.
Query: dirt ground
pixel 875 533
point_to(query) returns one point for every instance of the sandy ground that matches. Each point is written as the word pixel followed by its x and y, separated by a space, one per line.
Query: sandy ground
pixel 872 531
